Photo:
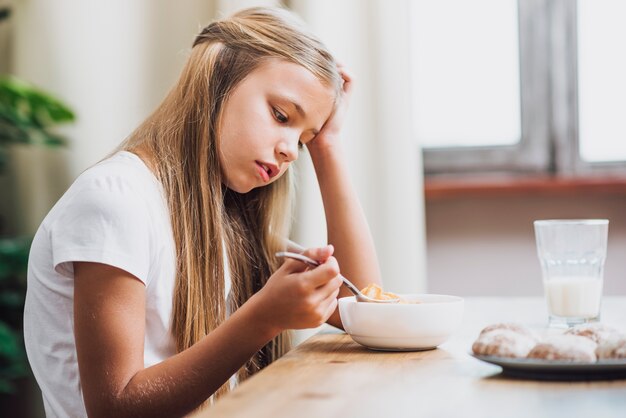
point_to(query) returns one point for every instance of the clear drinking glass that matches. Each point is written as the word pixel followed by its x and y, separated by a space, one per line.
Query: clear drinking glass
pixel 572 254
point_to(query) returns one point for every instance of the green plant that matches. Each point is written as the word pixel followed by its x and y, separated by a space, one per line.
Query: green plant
pixel 13 262
pixel 26 116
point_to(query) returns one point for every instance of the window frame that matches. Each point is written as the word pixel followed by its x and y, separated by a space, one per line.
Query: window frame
pixel 565 97
pixel 530 153
pixel 549 105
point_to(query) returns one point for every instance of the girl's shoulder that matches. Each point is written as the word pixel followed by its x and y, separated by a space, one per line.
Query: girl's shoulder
pixel 122 172
pixel 114 213
pixel 120 186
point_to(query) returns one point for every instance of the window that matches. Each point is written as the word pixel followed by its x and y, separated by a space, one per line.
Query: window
pixel 519 85
pixel 467 75
pixel 601 81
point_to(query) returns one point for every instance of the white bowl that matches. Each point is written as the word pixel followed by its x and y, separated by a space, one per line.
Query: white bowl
pixel 402 327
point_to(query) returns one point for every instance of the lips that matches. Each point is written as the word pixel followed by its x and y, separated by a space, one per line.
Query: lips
pixel 267 170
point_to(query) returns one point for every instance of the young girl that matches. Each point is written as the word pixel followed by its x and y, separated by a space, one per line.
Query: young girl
pixel 153 280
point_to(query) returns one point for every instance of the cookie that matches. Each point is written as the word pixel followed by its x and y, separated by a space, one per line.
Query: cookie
pixel 614 348
pixel 503 342
pixel 565 347
pixel 512 326
pixel 597 332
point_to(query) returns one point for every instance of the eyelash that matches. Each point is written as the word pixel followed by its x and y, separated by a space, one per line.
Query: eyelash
pixel 280 118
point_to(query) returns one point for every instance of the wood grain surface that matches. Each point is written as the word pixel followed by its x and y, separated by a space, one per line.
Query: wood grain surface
pixel 329 375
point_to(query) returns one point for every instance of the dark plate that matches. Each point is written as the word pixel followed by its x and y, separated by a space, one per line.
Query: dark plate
pixel 558 370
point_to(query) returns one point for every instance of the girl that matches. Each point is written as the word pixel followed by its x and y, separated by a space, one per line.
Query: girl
pixel 153 279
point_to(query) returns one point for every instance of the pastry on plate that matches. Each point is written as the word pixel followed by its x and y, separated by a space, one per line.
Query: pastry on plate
pixel 503 342
pixel 614 348
pixel 565 347
pixel 512 326
pixel 595 331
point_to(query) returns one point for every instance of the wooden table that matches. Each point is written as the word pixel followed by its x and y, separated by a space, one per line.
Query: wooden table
pixel 329 375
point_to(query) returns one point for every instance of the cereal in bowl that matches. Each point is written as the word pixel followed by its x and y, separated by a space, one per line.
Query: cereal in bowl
pixel 374 291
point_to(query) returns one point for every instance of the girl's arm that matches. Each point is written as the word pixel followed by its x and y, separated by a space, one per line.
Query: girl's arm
pixel 109 326
pixel 347 227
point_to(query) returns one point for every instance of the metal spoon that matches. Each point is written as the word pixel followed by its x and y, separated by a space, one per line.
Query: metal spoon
pixel 359 296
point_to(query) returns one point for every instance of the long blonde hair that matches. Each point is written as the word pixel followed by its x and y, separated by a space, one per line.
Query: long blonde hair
pixel 208 219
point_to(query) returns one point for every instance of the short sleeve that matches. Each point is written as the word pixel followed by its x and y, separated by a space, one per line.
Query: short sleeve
pixel 104 223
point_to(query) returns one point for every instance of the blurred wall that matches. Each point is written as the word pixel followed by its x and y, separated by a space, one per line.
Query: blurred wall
pixel 112 62
pixel 486 246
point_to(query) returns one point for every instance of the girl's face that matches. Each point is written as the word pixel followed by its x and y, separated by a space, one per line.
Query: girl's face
pixel 275 110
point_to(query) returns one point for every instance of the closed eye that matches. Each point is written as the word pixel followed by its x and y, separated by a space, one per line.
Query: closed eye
pixel 279 116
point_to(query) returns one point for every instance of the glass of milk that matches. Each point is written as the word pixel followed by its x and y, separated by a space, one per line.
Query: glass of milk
pixel 572 254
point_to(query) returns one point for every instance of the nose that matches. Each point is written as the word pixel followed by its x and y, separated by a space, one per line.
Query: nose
pixel 287 149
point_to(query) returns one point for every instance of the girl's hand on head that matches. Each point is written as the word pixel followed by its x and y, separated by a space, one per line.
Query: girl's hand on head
pixel 297 296
pixel 330 132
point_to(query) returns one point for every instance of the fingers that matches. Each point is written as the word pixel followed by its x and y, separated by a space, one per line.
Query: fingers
pixel 322 274
pixel 347 77
pixel 331 305
pixel 308 295
pixel 320 254
pixel 330 287
pixel 322 280
pixel 293 266
pixel 325 307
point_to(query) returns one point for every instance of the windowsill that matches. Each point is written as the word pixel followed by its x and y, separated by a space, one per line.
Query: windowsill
pixel 455 187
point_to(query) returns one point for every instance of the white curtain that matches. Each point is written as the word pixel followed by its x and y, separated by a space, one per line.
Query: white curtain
pixel 372 39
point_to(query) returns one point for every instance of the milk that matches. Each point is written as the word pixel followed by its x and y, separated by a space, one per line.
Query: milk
pixel 574 296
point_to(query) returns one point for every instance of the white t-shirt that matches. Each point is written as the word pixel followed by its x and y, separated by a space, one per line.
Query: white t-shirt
pixel 115 213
